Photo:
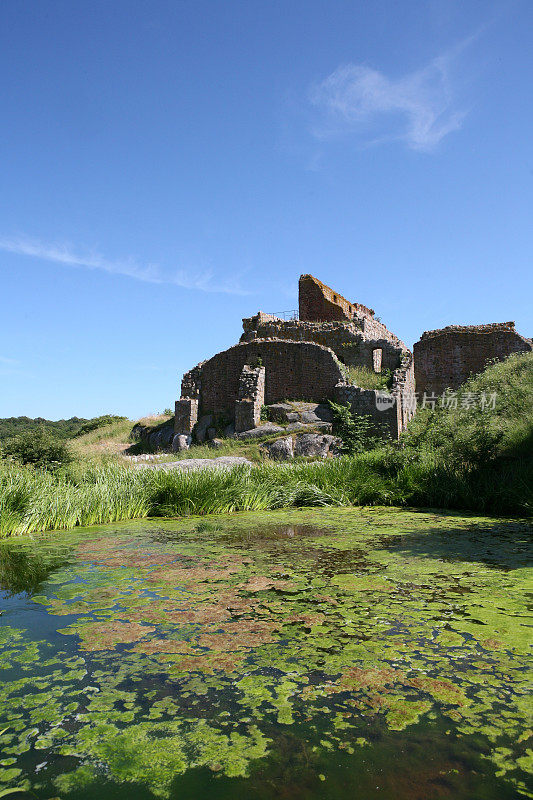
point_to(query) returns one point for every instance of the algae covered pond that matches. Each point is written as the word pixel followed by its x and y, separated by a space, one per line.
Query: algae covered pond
pixel 333 654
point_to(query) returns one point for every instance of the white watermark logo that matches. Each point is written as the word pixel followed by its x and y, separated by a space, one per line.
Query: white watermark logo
pixel 384 401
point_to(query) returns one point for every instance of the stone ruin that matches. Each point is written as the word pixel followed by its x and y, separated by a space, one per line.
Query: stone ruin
pixel 445 358
pixel 306 361
pixel 303 360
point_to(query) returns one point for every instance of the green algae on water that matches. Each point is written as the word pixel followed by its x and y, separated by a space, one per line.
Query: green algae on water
pixel 173 647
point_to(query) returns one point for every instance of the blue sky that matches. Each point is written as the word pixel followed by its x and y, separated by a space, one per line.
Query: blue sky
pixel 170 167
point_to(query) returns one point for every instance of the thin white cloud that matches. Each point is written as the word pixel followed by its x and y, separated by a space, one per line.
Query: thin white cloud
pixel 149 273
pixel 417 108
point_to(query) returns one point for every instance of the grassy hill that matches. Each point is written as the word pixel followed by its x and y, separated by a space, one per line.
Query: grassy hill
pixel 489 418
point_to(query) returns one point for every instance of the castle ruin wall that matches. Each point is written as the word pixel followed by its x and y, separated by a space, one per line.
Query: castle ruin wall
pixel 293 370
pixel 348 340
pixel 445 358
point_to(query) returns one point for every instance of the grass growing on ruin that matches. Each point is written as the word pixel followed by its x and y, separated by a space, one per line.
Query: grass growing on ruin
pixel 490 417
pixel 33 500
pixel 367 379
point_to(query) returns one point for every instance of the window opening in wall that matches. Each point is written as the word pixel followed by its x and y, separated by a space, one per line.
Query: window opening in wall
pixel 377 355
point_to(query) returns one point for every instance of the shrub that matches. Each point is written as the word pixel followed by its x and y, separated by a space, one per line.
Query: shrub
pixel 489 417
pixel 38 448
pixel 358 433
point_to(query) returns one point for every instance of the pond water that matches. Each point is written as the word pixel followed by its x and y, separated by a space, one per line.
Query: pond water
pixel 334 654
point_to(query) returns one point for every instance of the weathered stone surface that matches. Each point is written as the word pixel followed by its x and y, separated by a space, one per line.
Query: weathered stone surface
pixel 444 359
pixel 319 303
pixel 263 430
pixel 192 464
pixel 300 427
pixel 296 426
pixel 280 450
pixel 281 412
pixel 309 417
pixel 180 442
pixel 293 369
pixel 216 443
pixel 365 402
pixel 202 425
pixel 155 438
pixel 251 398
pixel 315 445
pixel 211 433
pixel 185 414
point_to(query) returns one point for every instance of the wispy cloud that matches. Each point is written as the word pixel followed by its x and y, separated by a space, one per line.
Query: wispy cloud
pixel 418 108
pixel 204 281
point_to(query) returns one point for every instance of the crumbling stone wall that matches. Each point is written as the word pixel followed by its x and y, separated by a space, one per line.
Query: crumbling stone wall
pixel 318 303
pixel 251 398
pixel 447 357
pixel 185 415
pixel 404 390
pixel 349 340
pixel 293 370
pixel 365 402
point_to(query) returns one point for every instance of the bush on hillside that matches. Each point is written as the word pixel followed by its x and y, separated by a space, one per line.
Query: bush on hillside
pixel 489 417
pixel 38 448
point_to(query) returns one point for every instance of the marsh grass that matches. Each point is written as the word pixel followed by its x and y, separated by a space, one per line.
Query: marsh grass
pixel 467 460
pixel 34 500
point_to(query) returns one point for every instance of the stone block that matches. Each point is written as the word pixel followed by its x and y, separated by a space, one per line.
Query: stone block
pixel 264 430
pixel 185 415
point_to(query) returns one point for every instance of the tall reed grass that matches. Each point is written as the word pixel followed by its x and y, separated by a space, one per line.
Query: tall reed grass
pixel 33 500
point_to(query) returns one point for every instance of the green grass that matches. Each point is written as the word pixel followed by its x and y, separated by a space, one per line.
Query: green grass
pixel 33 500
pixel 110 438
pixel 367 379
pixel 470 434
pixel 465 458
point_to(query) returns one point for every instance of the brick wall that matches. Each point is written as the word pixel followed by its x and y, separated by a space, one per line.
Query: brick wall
pixel 348 340
pixel 446 358
pixel 318 303
pixel 293 370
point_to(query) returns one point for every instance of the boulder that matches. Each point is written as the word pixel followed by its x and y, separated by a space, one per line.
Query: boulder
pixel 296 426
pixel 315 445
pixel 320 413
pixel 281 412
pixel 263 430
pixel 211 433
pixel 280 450
pixel 216 443
pixel 229 430
pixel 181 442
pixel 201 427
pixel 301 427
pixel 167 436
